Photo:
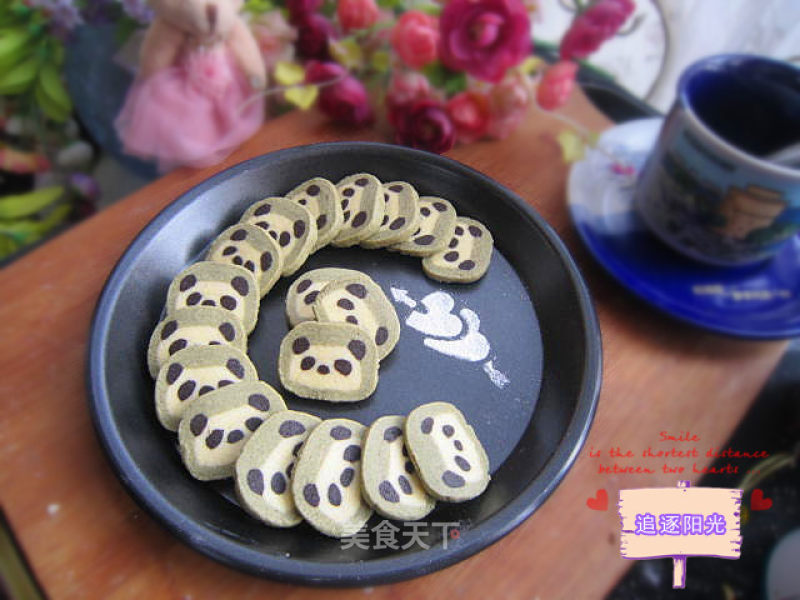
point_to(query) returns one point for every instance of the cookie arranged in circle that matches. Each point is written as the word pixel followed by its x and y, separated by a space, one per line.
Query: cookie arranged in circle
pixel 194 372
pixel 322 200
pixel 389 479
pixel 401 215
pixel 436 224
pixel 197 326
pixel 305 289
pixel 291 225
pixel 337 362
pixel 216 426
pixel 248 246
pixel 449 457
pixel 362 203
pixel 221 285
pixel 264 468
pixel 327 479
pixel 466 257
pixel 363 304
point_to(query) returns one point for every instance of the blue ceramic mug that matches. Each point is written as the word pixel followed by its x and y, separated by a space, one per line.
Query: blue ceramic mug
pixel 711 189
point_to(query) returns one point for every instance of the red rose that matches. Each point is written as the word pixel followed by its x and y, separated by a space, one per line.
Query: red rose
pixel 415 38
pixel 313 34
pixel 357 14
pixel 556 85
pixel 591 28
pixel 484 37
pixel 423 125
pixel 469 112
pixel 345 100
pixel 300 10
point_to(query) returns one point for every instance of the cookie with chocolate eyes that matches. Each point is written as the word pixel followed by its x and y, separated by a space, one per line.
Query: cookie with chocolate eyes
pixel 196 326
pixel 362 205
pixel 436 224
pixel 225 286
pixel 327 480
pixel 466 257
pixel 305 289
pixel 337 362
pixel 194 372
pixel 322 200
pixel 214 428
pixel 291 225
pixel 361 303
pixel 448 455
pixel 401 215
pixel 265 467
pixel 248 246
pixel 389 479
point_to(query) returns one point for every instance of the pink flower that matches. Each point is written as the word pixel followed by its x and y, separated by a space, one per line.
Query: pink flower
pixel 508 105
pixel 484 37
pixel 313 34
pixel 415 38
pixel 591 28
pixel 275 37
pixel 556 85
pixel 345 100
pixel 406 87
pixel 469 112
pixel 423 125
pixel 300 10
pixel 357 14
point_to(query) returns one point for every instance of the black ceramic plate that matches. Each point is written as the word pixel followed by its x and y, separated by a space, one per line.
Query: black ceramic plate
pixel 527 377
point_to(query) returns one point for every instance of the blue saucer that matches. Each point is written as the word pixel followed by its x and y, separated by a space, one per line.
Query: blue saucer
pixel 755 302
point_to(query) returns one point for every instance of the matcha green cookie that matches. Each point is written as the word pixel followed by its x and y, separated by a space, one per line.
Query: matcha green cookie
pixel 363 304
pixel 250 247
pixel 216 426
pixel 289 224
pixel 327 479
pixel 264 468
pixel 215 284
pixel 388 479
pixel 322 200
pixel 437 220
pixel 337 362
pixel 362 208
pixel 196 371
pixel 197 326
pixel 305 289
pixel 449 457
pixel 401 215
pixel 466 257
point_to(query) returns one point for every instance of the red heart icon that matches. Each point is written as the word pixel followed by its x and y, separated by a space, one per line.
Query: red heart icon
pixel 600 500
pixel 758 502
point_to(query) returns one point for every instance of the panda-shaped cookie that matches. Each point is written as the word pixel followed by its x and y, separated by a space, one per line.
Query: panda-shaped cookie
pixel 196 326
pixel 326 483
pixel 436 224
pixel 449 457
pixel 304 291
pixel 389 479
pixel 337 362
pixel 248 246
pixel 194 372
pixel 265 467
pixel 362 209
pixel 466 257
pixel 225 286
pixel 291 225
pixel 401 215
pixel 322 200
pixel 216 426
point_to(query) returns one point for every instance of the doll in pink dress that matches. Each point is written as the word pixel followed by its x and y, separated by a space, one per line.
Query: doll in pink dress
pixel 196 97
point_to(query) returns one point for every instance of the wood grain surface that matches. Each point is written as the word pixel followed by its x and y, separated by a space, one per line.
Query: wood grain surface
pixel 85 537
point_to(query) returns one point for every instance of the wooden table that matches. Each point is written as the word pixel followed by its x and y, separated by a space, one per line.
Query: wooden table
pixel 85 537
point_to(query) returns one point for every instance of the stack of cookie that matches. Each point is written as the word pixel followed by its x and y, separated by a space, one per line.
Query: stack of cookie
pixel 208 391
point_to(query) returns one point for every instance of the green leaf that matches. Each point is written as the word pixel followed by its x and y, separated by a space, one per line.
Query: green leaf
pixel 28 231
pixel 48 107
pixel 390 4
pixel 442 77
pixel 257 7
pixel 302 97
pixel 52 86
pixel 288 73
pixel 573 146
pixel 24 205
pixel 455 83
pixel 430 9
